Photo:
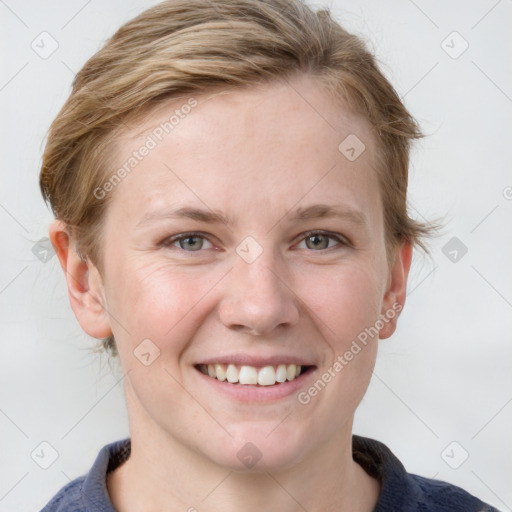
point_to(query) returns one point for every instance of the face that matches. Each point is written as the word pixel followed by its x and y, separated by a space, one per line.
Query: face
pixel 246 244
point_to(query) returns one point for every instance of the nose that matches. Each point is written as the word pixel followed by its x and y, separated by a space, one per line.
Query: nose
pixel 257 299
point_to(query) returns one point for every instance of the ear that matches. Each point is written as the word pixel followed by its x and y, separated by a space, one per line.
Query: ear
pixel 85 287
pixel 394 298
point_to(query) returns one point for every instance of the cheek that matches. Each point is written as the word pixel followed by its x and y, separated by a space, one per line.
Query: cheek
pixel 345 302
pixel 346 306
pixel 158 302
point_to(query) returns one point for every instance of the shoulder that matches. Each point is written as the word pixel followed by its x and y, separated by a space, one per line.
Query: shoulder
pixel 89 492
pixel 68 499
pixel 440 496
pixel 407 492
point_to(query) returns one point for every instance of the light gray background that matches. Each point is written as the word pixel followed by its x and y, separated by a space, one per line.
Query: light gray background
pixel 444 376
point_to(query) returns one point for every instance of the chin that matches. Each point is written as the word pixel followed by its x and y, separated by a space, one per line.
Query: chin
pixel 254 449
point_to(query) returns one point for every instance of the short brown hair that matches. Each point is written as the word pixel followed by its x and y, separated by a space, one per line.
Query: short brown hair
pixel 190 46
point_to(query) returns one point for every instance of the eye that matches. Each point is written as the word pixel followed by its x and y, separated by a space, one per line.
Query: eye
pixel 318 240
pixel 190 242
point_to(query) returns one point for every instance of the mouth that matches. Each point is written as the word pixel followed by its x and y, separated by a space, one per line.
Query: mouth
pixel 245 375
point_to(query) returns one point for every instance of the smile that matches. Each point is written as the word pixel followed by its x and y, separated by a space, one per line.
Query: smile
pixel 251 375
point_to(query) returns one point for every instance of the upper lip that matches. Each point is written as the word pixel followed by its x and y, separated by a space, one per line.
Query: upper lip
pixel 257 361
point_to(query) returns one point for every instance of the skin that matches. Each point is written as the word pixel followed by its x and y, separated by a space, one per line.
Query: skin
pixel 255 155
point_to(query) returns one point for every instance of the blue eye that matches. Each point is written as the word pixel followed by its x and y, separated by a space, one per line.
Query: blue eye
pixel 190 242
pixel 318 241
pixel 313 240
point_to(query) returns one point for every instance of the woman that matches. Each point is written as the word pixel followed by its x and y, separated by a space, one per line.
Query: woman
pixel 229 184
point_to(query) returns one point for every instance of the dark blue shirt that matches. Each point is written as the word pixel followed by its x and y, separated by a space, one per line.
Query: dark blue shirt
pixel 400 491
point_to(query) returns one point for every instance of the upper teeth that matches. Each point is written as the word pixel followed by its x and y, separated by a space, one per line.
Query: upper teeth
pixel 266 376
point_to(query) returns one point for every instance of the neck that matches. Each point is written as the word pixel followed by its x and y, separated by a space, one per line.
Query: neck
pixel 162 474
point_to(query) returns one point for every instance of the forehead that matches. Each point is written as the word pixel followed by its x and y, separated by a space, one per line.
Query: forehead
pixel 277 143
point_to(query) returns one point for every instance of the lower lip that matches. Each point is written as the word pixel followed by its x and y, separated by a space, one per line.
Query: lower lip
pixel 254 393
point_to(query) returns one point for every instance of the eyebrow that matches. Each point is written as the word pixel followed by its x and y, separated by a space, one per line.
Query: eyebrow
pixel 323 210
pixel 316 211
pixel 207 216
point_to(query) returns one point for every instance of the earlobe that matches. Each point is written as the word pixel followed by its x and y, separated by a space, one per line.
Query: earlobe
pixel 394 298
pixel 85 288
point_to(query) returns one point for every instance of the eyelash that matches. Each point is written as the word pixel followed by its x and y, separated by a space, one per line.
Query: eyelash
pixel 168 242
pixel 338 238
